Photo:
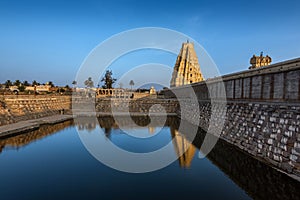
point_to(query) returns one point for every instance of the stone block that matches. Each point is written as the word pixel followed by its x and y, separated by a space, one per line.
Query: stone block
pixel 278 86
pixel 266 87
pixel 256 87
pixel 292 85
pixel 294 158
pixel 246 89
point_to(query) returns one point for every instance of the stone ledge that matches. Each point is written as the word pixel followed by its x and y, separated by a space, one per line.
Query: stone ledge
pixel 29 125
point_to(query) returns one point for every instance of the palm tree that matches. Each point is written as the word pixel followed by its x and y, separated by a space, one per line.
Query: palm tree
pixel 131 83
pixel 25 83
pixel 8 83
pixel 17 83
pixel 35 83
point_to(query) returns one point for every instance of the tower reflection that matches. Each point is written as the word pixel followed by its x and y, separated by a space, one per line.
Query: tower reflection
pixel 184 149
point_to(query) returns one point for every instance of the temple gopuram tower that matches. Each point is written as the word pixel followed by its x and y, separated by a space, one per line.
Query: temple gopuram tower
pixel 187 68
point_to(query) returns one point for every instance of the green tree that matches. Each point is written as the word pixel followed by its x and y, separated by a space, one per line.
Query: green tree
pixel 89 82
pixel 131 83
pixel 35 83
pixel 25 83
pixel 22 88
pixel 17 83
pixel 51 84
pixel 108 80
pixel 8 83
pixel 61 90
pixel 74 83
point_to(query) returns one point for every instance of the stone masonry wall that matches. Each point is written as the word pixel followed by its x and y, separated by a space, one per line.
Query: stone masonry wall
pixel 17 108
pixel 263 111
pixel 269 132
pixel 143 105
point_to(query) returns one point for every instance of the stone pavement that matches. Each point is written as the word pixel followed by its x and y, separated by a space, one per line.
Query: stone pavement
pixel 28 125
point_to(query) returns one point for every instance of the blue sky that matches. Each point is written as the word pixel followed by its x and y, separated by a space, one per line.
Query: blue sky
pixel 48 40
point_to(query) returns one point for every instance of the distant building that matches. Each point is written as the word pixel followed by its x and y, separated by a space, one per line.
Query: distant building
pixel 114 93
pixel 187 68
pixel 39 88
pixel 152 91
pixel 260 61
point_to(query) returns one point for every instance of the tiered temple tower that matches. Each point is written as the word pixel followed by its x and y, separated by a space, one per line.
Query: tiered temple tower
pixel 187 68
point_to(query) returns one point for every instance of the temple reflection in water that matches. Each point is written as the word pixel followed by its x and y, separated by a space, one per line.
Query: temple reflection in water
pixel 184 149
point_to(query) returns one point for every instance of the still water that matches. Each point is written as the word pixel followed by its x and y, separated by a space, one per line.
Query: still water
pixel 52 163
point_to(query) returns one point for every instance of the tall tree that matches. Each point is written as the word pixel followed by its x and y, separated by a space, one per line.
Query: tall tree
pixel 89 82
pixel 131 83
pixel 108 80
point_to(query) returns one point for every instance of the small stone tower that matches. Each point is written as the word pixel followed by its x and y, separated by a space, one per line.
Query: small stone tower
pixel 260 61
pixel 187 68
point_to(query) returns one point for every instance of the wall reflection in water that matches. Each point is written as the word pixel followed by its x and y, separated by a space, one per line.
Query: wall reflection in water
pixel 109 123
pixel 259 180
pixel 22 140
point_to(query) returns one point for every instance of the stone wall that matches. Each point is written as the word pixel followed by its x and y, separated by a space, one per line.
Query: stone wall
pixel 15 108
pixel 123 105
pixel 269 132
pixel 260 181
pixel 262 111
pixel 279 82
pixel 24 107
